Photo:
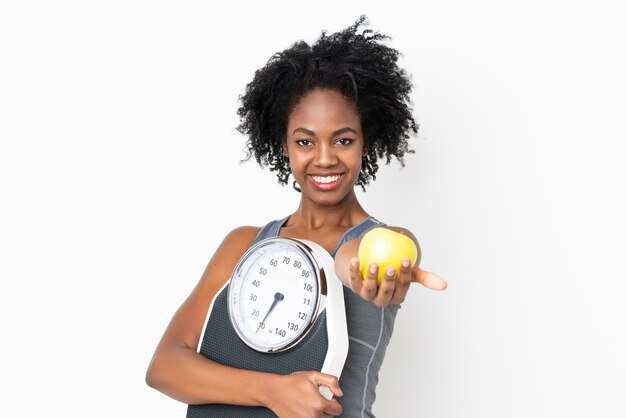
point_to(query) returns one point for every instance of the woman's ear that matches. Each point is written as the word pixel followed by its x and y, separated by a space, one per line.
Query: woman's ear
pixel 285 151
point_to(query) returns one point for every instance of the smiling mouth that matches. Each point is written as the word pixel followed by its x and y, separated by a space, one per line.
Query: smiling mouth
pixel 326 179
pixel 326 183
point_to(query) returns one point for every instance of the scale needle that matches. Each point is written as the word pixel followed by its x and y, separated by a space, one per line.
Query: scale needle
pixel 277 298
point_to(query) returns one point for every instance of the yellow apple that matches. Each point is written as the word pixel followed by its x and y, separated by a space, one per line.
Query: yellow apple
pixel 385 248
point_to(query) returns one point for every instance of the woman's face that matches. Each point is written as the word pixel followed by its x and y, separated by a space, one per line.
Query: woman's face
pixel 324 144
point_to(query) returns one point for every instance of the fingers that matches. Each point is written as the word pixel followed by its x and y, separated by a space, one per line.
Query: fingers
pixel 330 381
pixel 366 287
pixel 302 394
pixel 393 288
pixel 333 409
pixel 428 279
pixel 355 276
pixel 387 287
pixel 403 281
pixel 327 382
pixel 369 285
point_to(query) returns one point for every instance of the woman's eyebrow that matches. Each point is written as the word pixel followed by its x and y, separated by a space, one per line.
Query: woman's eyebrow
pixel 306 131
pixel 344 130
pixel 337 132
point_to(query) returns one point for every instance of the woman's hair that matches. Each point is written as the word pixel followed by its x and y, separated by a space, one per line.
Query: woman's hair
pixel 351 61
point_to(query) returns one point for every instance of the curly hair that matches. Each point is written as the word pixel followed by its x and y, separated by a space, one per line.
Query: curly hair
pixel 352 62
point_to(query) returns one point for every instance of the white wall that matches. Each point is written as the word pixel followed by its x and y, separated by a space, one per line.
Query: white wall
pixel 120 174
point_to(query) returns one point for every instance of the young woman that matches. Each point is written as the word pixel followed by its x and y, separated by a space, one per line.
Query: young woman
pixel 323 114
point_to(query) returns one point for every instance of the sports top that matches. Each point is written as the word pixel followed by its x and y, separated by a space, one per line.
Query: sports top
pixel 369 331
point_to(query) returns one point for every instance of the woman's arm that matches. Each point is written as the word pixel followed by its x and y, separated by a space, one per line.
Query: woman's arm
pixel 394 287
pixel 179 371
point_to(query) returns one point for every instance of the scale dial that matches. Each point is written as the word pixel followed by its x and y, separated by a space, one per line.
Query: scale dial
pixel 275 294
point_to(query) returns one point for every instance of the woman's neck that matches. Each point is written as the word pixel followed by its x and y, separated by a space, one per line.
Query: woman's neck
pixel 310 216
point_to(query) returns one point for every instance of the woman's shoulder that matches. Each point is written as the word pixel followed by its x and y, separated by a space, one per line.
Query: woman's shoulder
pixel 249 233
pixel 241 236
pixel 244 231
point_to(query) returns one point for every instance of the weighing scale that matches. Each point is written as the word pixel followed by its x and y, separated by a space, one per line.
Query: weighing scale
pixel 281 311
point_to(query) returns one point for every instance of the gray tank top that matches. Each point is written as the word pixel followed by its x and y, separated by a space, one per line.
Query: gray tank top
pixel 369 331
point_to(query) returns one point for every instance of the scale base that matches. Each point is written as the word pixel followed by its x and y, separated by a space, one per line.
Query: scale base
pixel 221 343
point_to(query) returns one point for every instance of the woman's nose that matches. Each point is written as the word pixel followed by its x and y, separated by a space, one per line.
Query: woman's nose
pixel 326 156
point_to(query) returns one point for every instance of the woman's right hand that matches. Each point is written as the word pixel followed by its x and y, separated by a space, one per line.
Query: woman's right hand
pixel 297 395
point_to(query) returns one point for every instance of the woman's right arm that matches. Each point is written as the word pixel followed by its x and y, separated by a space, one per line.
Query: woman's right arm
pixel 179 371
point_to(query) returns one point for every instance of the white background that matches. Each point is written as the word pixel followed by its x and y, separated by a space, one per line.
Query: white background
pixel 120 175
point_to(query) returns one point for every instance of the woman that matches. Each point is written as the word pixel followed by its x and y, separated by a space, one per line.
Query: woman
pixel 323 114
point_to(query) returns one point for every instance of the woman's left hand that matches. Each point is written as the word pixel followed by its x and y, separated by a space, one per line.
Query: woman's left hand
pixel 395 284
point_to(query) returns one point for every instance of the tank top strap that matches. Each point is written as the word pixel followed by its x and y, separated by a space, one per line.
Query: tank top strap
pixel 271 229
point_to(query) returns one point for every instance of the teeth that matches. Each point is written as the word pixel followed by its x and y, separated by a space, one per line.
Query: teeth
pixel 327 179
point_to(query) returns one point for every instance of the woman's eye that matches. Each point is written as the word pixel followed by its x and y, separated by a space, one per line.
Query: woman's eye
pixel 344 141
pixel 303 142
